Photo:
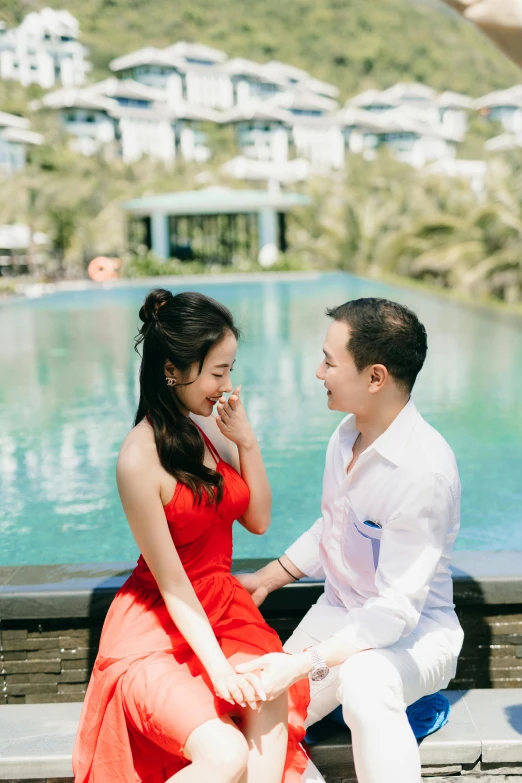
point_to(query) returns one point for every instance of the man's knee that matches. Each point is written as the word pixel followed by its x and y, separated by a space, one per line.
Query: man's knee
pixel 368 682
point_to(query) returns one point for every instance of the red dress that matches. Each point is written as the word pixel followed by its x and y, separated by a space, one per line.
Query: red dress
pixel 148 691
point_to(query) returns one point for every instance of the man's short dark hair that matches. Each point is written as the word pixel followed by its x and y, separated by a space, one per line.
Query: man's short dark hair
pixel 384 332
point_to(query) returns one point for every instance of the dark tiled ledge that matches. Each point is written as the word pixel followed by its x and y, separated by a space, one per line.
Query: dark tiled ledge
pixel 86 590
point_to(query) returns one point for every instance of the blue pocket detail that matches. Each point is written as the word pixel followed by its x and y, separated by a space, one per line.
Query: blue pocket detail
pixel 375 542
pixel 369 523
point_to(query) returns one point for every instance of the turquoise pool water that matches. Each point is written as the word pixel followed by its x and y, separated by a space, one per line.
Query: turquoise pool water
pixel 69 390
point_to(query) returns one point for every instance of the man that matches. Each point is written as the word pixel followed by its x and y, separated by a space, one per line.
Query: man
pixel 384 633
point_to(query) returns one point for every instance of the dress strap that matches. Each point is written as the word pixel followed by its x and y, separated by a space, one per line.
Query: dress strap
pixel 211 447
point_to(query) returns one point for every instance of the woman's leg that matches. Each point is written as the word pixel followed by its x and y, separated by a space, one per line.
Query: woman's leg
pixel 266 734
pixel 312 774
pixel 218 752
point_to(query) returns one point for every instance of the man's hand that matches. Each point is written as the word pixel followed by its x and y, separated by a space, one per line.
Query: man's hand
pixel 278 671
pixel 255 585
pixel 271 577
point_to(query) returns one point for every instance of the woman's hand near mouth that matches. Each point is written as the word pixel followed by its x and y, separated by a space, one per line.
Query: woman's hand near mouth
pixel 233 422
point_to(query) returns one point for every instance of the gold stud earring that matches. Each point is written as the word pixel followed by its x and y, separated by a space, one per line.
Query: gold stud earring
pixel 171 381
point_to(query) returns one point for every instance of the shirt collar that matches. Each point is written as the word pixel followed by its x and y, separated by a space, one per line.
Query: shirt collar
pixel 392 443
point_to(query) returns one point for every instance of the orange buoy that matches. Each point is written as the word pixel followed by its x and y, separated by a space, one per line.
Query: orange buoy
pixel 102 268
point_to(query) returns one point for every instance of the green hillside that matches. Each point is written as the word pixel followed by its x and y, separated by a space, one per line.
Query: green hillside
pixel 352 43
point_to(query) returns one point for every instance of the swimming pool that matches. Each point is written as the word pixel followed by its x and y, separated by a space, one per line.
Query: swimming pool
pixel 69 390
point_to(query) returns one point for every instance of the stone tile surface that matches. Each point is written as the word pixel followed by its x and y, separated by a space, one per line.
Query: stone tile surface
pixel 458 742
pixel 36 740
pixel 497 715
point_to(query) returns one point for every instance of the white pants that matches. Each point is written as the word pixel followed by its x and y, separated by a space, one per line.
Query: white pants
pixel 375 687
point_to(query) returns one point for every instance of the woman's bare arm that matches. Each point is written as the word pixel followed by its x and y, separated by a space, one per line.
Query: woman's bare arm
pixel 233 423
pixel 139 488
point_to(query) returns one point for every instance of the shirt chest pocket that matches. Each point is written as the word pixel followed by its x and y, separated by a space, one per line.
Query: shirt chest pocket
pixel 361 542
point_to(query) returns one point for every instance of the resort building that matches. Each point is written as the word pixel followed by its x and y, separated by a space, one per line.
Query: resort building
pixel 20 249
pixel 44 50
pixel 262 130
pixel 266 131
pixel 15 138
pixel 298 78
pixel 303 103
pixel 409 139
pixel 252 81
pixel 319 140
pixel 449 110
pixel 130 120
pixel 505 106
pixel 84 116
pixel 215 225
pixel 189 72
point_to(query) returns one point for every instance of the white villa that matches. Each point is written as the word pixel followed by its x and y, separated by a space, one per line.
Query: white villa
pixel 15 137
pixel 409 139
pixel 267 132
pixel 262 130
pixel 297 77
pixel 504 106
pixel 449 110
pixel 252 81
pixel 130 120
pixel 44 50
pixel 186 72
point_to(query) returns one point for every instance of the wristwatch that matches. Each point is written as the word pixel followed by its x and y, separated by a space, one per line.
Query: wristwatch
pixel 320 670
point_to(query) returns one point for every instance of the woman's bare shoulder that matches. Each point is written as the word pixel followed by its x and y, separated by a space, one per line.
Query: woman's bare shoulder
pixel 138 451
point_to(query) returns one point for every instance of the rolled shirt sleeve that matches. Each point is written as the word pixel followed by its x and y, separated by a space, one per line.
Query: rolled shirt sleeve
pixel 412 544
pixel 304 553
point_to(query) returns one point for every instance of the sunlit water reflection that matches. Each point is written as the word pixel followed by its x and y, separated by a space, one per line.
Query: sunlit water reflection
pixel 69 390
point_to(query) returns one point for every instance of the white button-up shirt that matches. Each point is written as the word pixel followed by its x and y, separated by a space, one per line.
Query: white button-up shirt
pixel 384 540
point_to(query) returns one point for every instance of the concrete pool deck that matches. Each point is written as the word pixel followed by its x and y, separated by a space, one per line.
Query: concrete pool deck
pixel 36 290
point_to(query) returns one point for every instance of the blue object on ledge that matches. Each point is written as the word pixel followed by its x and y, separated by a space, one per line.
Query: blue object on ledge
pixel 426 715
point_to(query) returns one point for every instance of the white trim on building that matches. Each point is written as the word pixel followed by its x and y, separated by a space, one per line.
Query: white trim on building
pixel 15 137
pixel 44 49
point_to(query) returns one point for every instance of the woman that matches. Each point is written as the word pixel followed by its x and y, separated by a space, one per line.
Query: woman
pixel 164 702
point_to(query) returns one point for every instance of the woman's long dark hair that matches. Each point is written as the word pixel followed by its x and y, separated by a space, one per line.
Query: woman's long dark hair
pixel 181 329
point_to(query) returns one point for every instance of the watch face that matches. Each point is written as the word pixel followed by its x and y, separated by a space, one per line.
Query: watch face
pixel 319 674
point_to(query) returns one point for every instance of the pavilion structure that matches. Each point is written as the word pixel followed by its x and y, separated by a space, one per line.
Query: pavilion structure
pixel 213 225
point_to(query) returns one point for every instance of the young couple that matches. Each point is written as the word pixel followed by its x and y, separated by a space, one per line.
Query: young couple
pixel 190 684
